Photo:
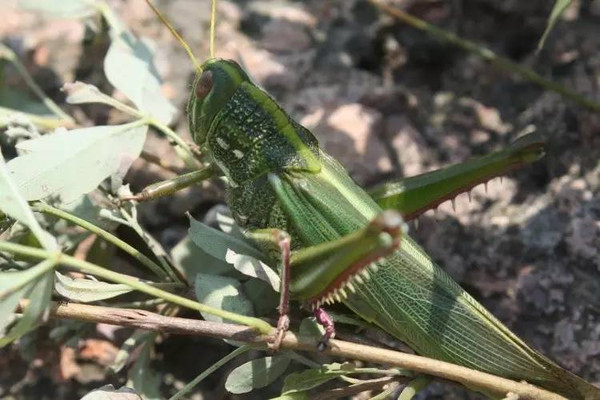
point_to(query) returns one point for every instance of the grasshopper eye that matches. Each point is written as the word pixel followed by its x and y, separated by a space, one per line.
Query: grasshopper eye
pixel 204 85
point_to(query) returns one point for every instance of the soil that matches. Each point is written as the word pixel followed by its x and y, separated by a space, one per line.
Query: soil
pixel 387 101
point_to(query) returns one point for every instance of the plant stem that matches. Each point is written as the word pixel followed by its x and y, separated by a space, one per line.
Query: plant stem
pixel 152 303
pixel 187 388
pixel 109 237
pixel 414 387
pixel 488 55
pixel 338 348
pixel 112 276
pixel 156 248
pixel 38 120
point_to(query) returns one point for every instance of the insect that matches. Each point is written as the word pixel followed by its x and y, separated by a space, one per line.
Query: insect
pixel 337 243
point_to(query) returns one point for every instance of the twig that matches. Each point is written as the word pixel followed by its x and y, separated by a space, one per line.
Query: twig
pixel 109 237
pixel 155 322
pixel 487 54
pixel 156 248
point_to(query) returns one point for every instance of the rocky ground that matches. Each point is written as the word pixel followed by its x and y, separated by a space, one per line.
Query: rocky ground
pixel 389 101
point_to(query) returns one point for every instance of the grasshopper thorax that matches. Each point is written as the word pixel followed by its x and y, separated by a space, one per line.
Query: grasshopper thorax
pixel 243 129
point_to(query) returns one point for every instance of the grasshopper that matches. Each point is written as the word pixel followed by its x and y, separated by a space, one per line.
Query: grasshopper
pixel 335 242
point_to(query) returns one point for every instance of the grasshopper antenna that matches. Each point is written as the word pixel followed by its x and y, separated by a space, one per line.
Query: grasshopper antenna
pixel 187 48
pixel 213 24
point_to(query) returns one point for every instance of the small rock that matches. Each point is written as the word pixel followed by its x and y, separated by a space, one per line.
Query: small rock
pixel 564 337
pixel 365 156
pixel 410 147
pixel 584 236
pixel 284 36
pixel 544 230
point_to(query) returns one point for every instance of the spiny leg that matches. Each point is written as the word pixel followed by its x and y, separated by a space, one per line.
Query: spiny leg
pixel 414 195
pixel 170 186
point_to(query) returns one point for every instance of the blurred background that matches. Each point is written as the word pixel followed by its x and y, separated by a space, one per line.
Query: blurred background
pixel 387 101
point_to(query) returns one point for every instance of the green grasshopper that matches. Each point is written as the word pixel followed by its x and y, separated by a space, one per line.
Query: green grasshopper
pixel 338 243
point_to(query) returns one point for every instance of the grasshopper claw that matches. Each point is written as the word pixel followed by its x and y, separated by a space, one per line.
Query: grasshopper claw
pixel 326 321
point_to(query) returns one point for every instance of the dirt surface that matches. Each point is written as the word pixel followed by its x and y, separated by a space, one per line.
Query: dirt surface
pixel 387 101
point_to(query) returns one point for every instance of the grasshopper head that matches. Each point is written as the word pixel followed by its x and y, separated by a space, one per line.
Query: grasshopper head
pixel 212 88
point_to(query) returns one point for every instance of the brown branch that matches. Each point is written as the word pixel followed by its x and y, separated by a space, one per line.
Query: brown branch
pixel 151 321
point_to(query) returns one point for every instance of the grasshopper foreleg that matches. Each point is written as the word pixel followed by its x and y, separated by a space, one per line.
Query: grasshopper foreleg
pixel 170 186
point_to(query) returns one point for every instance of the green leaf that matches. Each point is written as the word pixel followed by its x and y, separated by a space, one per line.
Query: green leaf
pixel 35 283
pixel 87 290
pixel 128 66
pixel 250 266
pixel 559 8
pixel 13 204
pixel 60 9
pixel 227 224
pixel 216 243
pixel 311 378
pixel 71 163
pixel 145 380
pixel 311 329
pixel 9 302
pixel 221 292
pixel 83 93
pixel 137 339
pixel 233 249
pixel 108 392
pixel 191 260
pixel 256 374
pixel 89 207
pixel 37 310
pixel 19 102
pixel 263 298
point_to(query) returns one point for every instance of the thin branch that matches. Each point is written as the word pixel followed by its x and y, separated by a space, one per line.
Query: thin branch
pixel 152 244
pixel 109 237
pixel 155 322
pixel 487 54
pixel 193 383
